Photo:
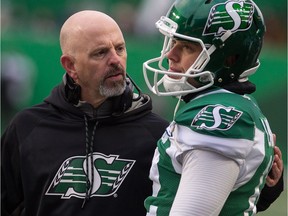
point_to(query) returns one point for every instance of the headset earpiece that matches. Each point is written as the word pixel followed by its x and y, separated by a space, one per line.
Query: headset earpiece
pixel 72 90
pixel 124 101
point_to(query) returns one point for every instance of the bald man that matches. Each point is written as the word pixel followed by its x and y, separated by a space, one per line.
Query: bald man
pixel 87 149
pixel 91 42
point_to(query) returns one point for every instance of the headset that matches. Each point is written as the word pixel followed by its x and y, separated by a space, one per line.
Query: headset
pixel 119 103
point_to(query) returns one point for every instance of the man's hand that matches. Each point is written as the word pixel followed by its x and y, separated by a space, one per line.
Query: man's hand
pixel 277 167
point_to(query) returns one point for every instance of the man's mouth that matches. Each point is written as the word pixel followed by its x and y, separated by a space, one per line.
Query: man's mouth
pixel 116 76
pixel 175 71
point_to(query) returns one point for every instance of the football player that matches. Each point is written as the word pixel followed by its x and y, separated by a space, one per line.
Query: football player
pixel 215 156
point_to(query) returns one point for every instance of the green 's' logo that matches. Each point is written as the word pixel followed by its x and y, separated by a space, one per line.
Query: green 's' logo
pixel 231 15
pixel 216 117
pixel 109 173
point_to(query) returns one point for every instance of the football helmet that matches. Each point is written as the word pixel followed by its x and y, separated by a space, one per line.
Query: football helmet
pixel 225 29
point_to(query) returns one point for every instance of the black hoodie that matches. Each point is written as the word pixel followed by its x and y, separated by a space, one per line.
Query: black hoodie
pixel 46 158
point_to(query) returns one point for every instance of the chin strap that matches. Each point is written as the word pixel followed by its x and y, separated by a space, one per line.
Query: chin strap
pixel 177 107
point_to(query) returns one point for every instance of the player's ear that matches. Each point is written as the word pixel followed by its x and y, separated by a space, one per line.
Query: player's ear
pixel 68 63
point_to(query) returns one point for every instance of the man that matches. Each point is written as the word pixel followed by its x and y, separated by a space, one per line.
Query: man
pixel 214 157
pixel 88 148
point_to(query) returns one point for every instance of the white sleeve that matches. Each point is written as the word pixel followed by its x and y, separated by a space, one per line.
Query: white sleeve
pixel 206 181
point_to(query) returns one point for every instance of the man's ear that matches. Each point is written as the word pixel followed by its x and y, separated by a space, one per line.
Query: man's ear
pixel 67 63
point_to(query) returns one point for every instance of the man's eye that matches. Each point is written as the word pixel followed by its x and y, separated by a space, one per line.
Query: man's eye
pixel 121 49
pixel 99 53
pixel 173 43
pixel 187 47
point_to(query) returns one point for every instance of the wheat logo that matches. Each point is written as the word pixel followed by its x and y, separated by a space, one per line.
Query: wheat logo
pixel 109 174
pixel 231 15
pixel 216 117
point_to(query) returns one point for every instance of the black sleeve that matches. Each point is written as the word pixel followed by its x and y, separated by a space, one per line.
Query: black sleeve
pixel 270 194
pixel 11 184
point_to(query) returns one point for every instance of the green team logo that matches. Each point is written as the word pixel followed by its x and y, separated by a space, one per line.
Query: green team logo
pixel 109 173
pixel 231 15
pixel 216 117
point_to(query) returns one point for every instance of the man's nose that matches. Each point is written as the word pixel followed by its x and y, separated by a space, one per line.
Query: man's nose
pixel 114 57
pixel 172 55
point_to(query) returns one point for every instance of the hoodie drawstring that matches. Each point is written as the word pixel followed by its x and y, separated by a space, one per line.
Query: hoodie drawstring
pixel 89 154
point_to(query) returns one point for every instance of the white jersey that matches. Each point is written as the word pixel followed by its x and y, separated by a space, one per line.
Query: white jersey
pixel 219 121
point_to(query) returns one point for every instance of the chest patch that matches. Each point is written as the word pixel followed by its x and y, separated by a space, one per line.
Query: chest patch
pixel 109 172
